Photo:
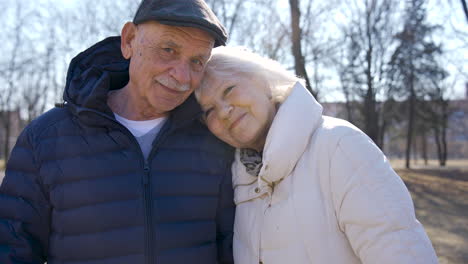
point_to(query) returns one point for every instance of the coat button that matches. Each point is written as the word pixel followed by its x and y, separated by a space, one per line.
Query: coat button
pixel 257 190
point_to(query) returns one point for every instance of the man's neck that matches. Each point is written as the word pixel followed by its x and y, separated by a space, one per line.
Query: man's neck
pixel 123 103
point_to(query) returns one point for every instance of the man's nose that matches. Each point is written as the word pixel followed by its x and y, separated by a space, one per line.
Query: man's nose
pixel 180 71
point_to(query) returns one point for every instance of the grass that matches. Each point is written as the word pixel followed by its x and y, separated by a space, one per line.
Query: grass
pixel 2 164
pixel 440 196
pixel 417 164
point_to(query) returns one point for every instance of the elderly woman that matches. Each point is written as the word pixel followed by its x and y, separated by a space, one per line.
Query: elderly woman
pixel 309 188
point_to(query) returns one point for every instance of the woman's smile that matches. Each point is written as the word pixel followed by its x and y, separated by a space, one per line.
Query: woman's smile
pixel 236 122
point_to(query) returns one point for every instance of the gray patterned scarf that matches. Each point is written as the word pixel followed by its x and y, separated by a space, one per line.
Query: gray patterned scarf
pixel 252 161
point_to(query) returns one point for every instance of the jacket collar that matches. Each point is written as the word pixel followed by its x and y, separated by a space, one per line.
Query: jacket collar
pixel 294 123
pixel 293 126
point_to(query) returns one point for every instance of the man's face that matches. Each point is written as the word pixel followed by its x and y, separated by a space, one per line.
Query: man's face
pixel 166 64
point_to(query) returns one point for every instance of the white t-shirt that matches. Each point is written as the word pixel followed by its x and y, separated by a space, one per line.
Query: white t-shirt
pixel 144 131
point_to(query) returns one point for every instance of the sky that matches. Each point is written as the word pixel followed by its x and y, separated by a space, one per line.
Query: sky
pixel 450 15
pixel 444 12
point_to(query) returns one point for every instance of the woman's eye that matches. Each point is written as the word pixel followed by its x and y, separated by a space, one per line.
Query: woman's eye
pixel 228 90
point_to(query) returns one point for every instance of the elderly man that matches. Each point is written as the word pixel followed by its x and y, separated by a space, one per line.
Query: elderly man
pixel 123 171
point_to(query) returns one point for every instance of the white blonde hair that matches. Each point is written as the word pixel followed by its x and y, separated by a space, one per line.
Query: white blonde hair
pixel 231 61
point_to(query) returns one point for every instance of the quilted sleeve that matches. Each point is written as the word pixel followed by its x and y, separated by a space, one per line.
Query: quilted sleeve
pixel 24 210
pixel 373 206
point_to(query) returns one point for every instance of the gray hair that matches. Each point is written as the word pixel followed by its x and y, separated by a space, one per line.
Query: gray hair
pixel 229 61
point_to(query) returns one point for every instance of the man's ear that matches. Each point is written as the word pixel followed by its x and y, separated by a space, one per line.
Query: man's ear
pixel 127 38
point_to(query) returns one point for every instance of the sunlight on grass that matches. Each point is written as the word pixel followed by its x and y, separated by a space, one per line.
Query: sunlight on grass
pixel 440 197
pixel 2 164
pixel 458 163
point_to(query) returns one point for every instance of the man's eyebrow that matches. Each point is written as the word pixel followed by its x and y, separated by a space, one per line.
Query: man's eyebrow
pixel 172 44
pixel 204 57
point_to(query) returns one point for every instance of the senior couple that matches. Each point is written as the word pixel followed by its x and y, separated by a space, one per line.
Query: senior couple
pixel 127 171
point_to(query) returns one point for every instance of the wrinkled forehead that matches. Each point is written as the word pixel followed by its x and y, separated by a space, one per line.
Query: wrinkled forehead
pixel 194 34
pixel 153 31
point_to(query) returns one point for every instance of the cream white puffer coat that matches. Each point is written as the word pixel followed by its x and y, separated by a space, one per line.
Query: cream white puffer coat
pixel 325 194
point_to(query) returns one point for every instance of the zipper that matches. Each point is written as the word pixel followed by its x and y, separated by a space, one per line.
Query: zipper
pixel 146 184
pixel 148 196
pixel 150 243
pixel 147 200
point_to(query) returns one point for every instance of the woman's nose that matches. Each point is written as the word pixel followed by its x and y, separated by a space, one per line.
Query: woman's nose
pixel 225 111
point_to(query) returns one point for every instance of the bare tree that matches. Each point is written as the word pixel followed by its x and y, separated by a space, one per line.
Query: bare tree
pixel 343 69
pixel 465 9
pixel 43 37
pixel 369 40
pixel 229 12
pixel 413 59
pixel 18 59
pixel 296 39
pixel 435 112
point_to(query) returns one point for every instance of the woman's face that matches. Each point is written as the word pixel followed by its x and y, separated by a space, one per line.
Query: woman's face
pixel 238 110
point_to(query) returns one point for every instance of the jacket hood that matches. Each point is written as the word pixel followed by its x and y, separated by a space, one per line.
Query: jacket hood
pixel 94 72
pixel 101 68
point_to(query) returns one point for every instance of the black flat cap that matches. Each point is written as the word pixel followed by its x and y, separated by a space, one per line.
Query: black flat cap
pixel 184 13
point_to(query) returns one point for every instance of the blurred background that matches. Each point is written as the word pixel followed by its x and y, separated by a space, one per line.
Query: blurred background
pixel 396 69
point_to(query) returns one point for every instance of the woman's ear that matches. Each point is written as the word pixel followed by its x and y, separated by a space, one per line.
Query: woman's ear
pixel 127 38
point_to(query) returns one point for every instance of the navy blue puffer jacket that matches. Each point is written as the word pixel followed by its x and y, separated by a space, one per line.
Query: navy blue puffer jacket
pixel 78 190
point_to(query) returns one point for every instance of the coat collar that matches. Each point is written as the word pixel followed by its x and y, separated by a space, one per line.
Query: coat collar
pixel 294 123
pixel 297 118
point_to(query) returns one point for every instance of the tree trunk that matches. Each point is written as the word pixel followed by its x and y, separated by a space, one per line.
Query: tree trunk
pixel 299 61
pixel 6 119
pixel 409 134
pixel 465 9
pixel 382 135
pixel 438 141
pixel 349 111
pixel 440 133
pixel 443 159
pixel 370 115
pixel 444 125
pixel 424 147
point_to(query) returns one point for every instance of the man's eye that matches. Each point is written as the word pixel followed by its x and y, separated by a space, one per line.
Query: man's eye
pixel 197 62
pixel 168 50
pixel 198 65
